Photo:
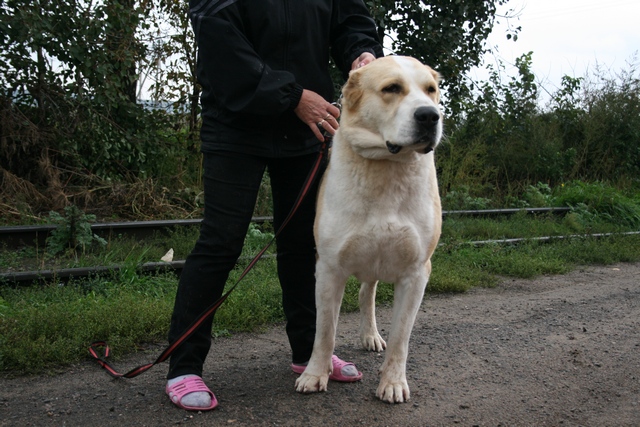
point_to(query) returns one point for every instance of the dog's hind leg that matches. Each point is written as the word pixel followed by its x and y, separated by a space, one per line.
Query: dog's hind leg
pixel 330 286
pixel 369 335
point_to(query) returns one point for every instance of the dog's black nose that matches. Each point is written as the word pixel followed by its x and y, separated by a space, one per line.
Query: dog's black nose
pixel 427 116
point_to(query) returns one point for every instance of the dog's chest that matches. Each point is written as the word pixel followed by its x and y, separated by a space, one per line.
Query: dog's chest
pixel 383 249
pixel 377 221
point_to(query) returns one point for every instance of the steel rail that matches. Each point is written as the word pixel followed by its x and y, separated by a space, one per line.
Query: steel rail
pixel 547 239
pixel 65 274
pixel 32 235
pixel 36 235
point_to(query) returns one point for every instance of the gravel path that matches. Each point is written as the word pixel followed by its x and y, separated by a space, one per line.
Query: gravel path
pixel 552 351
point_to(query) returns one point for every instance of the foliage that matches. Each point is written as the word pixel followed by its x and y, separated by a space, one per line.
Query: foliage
pixel 611 124
pixel 507 143
pixel 449 35
pixel 538 196
pixel 68 106
pixel 73 131
pixel 171 66
pixel 497 118
pixel 599 200
pixel 460 199
pixel 73 231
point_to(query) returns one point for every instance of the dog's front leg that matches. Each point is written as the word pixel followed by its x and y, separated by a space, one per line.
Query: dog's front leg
pixel 369 335
pixel 393 387
pixel 329 291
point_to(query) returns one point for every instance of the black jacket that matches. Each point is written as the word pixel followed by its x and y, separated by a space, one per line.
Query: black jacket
pixel 256 56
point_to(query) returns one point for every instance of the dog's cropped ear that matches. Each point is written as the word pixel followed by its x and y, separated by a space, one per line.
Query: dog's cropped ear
pixel 436 75
pixel 352 91
pixel 438 78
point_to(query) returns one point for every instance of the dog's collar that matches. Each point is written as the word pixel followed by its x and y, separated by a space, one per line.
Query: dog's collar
pixel 338 103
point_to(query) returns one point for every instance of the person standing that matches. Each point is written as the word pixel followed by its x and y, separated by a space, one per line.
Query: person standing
pixel 266 91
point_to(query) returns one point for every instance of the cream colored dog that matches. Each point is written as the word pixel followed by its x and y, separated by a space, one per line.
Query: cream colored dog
pixel 379 213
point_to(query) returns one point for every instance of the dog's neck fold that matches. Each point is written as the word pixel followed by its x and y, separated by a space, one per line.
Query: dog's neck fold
pixel 372 146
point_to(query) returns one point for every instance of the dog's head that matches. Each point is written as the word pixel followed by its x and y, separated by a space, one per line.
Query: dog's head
pixel 396 98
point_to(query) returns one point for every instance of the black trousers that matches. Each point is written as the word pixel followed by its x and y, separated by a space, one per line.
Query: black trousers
pixel 231 183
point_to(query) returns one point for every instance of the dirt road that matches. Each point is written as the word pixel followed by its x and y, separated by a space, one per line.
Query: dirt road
pixel 553 351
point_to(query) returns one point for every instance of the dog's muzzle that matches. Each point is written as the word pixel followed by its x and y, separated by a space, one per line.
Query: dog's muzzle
pixel 426 119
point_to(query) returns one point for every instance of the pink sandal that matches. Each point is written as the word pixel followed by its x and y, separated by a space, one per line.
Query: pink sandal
pixel 336 375
pixel 190 385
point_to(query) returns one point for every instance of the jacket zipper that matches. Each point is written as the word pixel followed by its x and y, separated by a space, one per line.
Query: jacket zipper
pixel 287 37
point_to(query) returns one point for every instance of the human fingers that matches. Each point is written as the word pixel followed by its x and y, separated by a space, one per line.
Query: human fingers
pixel 362 60
pixel 329 122
pixel 333 111
pixel 329 126
pixel 317 113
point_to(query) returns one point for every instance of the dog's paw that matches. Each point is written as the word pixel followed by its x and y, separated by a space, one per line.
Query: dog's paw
pixel 393 392
pixel 373 342
pixel 308 383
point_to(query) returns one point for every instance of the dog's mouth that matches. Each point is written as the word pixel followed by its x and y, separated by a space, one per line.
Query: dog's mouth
pixel 395 149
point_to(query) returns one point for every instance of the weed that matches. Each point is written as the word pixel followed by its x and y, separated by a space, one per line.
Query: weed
pixel 460 199
pixel 538 196
pixel 73 231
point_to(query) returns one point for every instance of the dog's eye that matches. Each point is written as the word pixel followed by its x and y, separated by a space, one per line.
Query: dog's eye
pixel 431 89
pixel 392 88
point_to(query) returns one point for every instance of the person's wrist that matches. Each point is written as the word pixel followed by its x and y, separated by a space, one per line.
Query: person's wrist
pixel 295 96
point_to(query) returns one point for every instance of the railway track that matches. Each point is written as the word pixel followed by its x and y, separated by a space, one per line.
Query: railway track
pixel 36 235
pixel 65 274
pixel 13 237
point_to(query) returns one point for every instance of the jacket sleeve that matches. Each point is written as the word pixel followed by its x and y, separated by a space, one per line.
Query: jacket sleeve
pixel 353 33
pixel 230 69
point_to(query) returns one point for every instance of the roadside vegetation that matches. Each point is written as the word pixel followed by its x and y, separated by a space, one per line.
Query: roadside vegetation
pixel 46 327
pixel 79 146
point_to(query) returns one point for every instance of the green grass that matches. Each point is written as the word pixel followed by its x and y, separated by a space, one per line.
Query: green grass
pixel 44 328
pixel 599 200
pixel 48 327
pixel 457 269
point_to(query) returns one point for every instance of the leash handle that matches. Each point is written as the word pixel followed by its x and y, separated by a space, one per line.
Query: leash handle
pixel 99 350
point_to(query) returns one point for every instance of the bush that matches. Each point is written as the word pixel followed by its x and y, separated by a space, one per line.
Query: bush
pixel 507 142
pixel 600 200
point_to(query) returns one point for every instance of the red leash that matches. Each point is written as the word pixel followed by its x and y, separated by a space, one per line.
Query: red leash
pixel 99 350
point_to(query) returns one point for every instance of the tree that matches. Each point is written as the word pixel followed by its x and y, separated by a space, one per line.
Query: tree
pixel 71 72
pixel 172 65
pixel 448 35
pixel 122 47
pixel 67 89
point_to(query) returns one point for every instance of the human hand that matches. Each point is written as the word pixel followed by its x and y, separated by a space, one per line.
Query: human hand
pixel 362 60
pixel 317 113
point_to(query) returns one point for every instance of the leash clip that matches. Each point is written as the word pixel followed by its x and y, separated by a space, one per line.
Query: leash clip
pixel 338 103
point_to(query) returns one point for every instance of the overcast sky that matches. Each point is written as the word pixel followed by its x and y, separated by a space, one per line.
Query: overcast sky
pixel 569 37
